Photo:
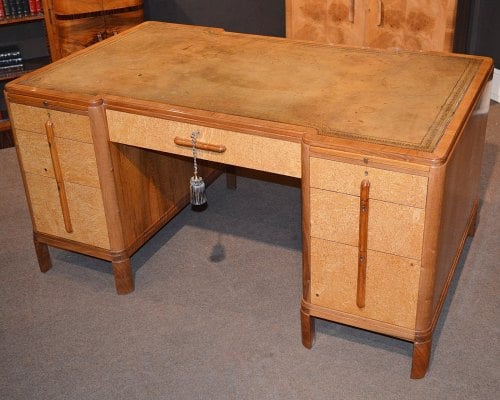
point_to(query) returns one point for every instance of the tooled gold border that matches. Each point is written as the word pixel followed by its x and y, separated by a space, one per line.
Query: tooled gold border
pixel 437 128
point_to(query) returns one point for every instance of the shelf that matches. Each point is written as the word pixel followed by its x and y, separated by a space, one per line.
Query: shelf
pixel 29 65
pixel 10 21
pixel 4 125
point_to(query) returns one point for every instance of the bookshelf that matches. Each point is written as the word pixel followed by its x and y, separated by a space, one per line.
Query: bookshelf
pixel 28 33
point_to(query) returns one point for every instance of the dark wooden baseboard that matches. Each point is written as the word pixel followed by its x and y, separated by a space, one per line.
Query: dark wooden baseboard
pixel 6 139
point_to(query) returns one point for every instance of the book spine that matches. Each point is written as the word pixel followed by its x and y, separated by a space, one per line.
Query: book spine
pixel 32 6
pixel 2 10
pixel 9 51
pixel 39 8
pixel 6 7
pixel 23 10
pixel 11 62
pixel 13 8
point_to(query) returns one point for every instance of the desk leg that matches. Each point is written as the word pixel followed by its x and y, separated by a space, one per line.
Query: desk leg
pixel 308 328
pixel 230 177
pixel 42 254
pixel 420 359
pixel 124 279
pixel 473 221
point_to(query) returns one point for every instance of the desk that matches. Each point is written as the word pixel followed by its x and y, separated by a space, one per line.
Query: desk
pixel 388 146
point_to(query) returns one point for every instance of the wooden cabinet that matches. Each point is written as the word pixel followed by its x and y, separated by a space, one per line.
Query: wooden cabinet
pixel 75 25
pixel 406 24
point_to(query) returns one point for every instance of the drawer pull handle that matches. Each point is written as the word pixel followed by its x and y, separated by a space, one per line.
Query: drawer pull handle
pixel 364 202
pixel 216 148
pixel 380 17
pixel 351 11
pixel 63 200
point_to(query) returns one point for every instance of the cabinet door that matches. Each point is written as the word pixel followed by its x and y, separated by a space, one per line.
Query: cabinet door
pixel 410 24
pixel 328 21
pixel 75 25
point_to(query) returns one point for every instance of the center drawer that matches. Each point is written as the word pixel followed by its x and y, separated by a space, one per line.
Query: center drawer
pixel 244 150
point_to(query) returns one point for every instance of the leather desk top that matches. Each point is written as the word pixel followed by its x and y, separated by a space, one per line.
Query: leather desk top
pixel 402 99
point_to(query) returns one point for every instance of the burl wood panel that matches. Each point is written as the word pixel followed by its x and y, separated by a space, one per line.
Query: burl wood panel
pixel 411 24
pixel 391 283
pixel 391 186
pixel 392 228
pixel 243 150
pixel 405 24
pixel 66 125
pixel 85 208
pixel 77 159
pixel 326 21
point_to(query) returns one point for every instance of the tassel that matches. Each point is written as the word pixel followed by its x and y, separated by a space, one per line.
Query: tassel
pixel 198 195
pixel 197 186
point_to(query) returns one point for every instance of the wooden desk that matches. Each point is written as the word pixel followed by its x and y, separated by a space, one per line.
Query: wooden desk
pixel 388 146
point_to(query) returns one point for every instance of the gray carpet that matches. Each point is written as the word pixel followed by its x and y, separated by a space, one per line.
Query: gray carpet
pixel 215 314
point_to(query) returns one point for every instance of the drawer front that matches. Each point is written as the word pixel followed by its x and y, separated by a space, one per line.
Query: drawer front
pixel 390 186
pixel 391 283
pixel 392 228
pixel 85 209
pixel 244 150
pixel 78 163
pixel 66 125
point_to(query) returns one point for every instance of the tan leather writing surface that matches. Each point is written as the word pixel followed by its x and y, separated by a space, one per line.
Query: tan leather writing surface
pixel 402 98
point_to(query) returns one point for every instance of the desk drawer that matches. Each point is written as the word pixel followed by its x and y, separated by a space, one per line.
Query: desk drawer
pixel 244 150
pixel 391 186
pixel 85 206
pixel 392 228
pixel 77 159
pixel 391 283
pixel 66 125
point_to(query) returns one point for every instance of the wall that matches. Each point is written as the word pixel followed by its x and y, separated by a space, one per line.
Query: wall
pixel 484 30
pixel 265 17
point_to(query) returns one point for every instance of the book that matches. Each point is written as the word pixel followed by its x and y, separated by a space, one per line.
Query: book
pixel 8 52
pixel 39 8
pixel 2 10
pixel 32 7
pixel 11 62
pixel 6 8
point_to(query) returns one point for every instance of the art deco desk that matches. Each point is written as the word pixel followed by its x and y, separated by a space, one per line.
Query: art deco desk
pixel 388 146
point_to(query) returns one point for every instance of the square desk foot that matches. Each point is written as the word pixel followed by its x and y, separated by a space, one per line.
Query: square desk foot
pixel 124 278
pixel 42 255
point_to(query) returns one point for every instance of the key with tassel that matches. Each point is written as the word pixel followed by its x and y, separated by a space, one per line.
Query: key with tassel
pixel 197 186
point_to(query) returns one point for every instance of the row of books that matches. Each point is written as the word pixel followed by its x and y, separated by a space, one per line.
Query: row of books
pixel 11 61
pixel 20 8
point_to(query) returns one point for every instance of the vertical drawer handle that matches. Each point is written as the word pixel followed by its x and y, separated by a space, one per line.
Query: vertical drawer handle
pixel 380 18
pixel 351 10
pixel 49 130
pixel 364 201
